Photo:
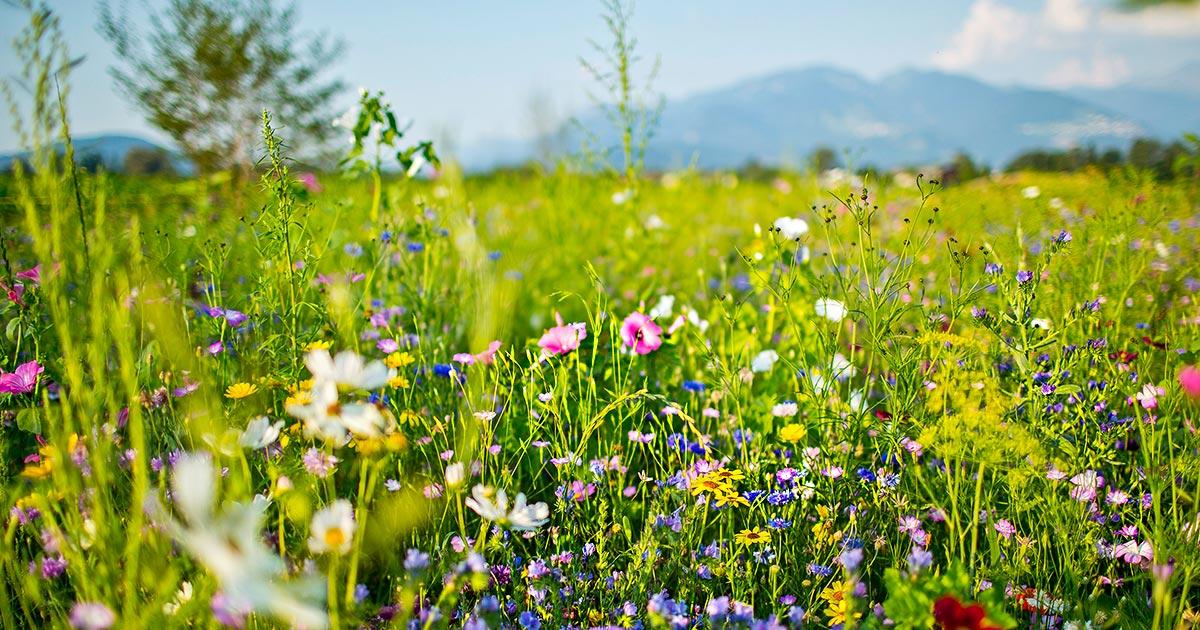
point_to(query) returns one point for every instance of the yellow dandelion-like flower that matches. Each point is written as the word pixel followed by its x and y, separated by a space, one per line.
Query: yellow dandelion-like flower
pixel 399 360
pixel 240 390
pixel 395 442
pixel 793 433
pixel 756 536
pixel 318 345
pixel 398 382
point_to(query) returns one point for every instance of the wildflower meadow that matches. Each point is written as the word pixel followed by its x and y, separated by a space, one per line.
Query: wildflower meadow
pixel 569 398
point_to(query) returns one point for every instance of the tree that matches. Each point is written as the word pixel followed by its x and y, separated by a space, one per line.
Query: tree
pixel 823 158
pixel 148 161
pixel 207 69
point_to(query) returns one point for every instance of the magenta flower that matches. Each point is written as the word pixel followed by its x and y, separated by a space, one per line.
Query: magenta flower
pixel 21 380
pixel 562 339
pixel 1005 528
pixel 641 333
pixel 1189 380
pixel 310 182
pixel 33 274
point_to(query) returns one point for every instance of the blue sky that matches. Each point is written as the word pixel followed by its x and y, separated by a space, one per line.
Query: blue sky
pixel 469 70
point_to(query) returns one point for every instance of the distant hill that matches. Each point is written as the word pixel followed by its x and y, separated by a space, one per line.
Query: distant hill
pixel 109 150
pixel 910 117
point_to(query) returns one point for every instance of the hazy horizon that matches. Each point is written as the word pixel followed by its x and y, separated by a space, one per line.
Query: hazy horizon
pixel 476 85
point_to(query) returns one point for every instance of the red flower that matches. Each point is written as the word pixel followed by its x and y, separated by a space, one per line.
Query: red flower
pixel 950 614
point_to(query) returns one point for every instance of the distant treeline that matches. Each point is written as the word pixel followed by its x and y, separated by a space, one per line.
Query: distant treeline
pixel 1165 160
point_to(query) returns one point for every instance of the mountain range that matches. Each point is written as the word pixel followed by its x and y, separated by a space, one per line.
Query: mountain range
pixel 108 151
pixel 908 117
pixel 911 117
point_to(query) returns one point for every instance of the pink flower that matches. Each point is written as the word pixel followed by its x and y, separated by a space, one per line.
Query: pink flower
pixel 22 380
pixel 1086 483
pixel 1189 380
pixel 485 358
pixel 33 274
pixel 309 180
pixel 1005 528
pixel 641 333
pixel 488 356
pixel 1148 397
pixel 563 338
pixel 1134 552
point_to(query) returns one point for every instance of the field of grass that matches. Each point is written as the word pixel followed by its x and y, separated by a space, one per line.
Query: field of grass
pixel 551 401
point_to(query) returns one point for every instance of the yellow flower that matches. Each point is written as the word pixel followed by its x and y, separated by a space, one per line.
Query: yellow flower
pixel 727 475
pixel 793 433
pixel 47 459
pixel 240 390
pixel 399 360
pixel 395 442
pixel 408 416
pixel 838 611
pixel 369 447
pixel 398 382
pixel 318 345
pixel 753 536
pixel 835 592
pixel 731 498
pixel 706 484
pixel 300 398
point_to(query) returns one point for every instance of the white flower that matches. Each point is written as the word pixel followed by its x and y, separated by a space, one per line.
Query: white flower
pixel 841 367
pixel 182 597
pixel 230 546
pixel 454 475
pixel 830 309
pixel 348 119
pixel 764 361
pixel 325 416
pixel 1031 192
pixel 347 370
pixel 664 308
pixel 654 222
pixel 785 410
pixel 1039 323
pixel 492 505
pixel 791 228
pixel 332 529
pixel 260 433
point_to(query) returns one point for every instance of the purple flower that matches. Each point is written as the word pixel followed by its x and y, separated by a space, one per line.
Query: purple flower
pixel 92 616
pixel 21 380
pixel 1024 276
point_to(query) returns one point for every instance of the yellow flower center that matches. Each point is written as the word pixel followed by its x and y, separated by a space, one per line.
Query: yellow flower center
pixel 334 537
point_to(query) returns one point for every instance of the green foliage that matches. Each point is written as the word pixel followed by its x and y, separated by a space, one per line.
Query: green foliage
pixel 206 69
pixel 911 597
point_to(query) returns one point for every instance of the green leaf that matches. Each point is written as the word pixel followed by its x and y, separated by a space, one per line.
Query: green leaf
pixel 29 419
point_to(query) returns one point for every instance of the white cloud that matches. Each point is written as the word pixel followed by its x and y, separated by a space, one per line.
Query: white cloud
pixel 1101 70
pixel 1166 20
pixel 990 31
pixel 1067 16
pixel 1067 39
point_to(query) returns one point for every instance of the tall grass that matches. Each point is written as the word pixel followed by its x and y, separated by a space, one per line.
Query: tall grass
pixel 878 389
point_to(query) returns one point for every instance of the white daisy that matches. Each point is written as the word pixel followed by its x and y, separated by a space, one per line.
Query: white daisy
pixel 332 529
